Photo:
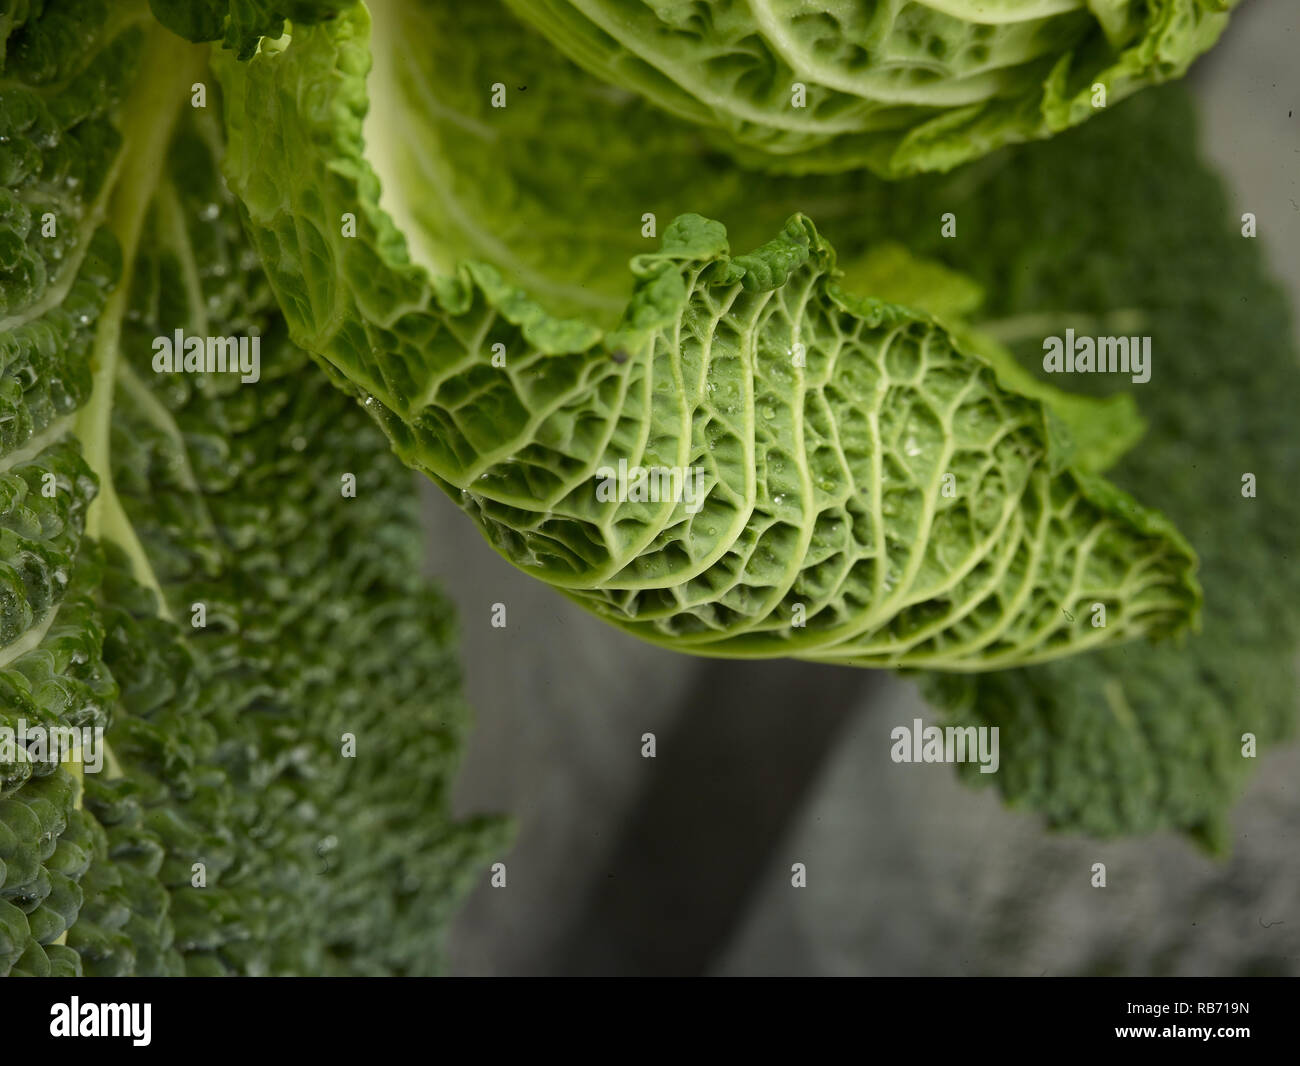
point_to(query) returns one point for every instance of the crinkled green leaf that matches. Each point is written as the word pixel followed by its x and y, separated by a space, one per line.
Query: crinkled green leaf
pixel 128 497
pixel 869 492
pixel 901 88
pixel 1092 432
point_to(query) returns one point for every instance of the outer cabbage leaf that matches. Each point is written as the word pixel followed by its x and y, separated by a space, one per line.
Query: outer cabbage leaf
pixel 825 426
pixel 223 738
pixel 519 187
pixel 900 86
pixel 60 150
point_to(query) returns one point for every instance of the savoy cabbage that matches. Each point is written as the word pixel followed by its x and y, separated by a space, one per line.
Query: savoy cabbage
pixel 481 312
pixel 432 206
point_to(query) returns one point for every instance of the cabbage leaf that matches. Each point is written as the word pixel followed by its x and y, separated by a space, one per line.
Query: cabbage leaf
pixel 179 568
pixel 868 489
pixel 899 86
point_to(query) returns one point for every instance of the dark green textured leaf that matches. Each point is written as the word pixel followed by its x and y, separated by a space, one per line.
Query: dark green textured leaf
pixel 1144 738
pixel 223 741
